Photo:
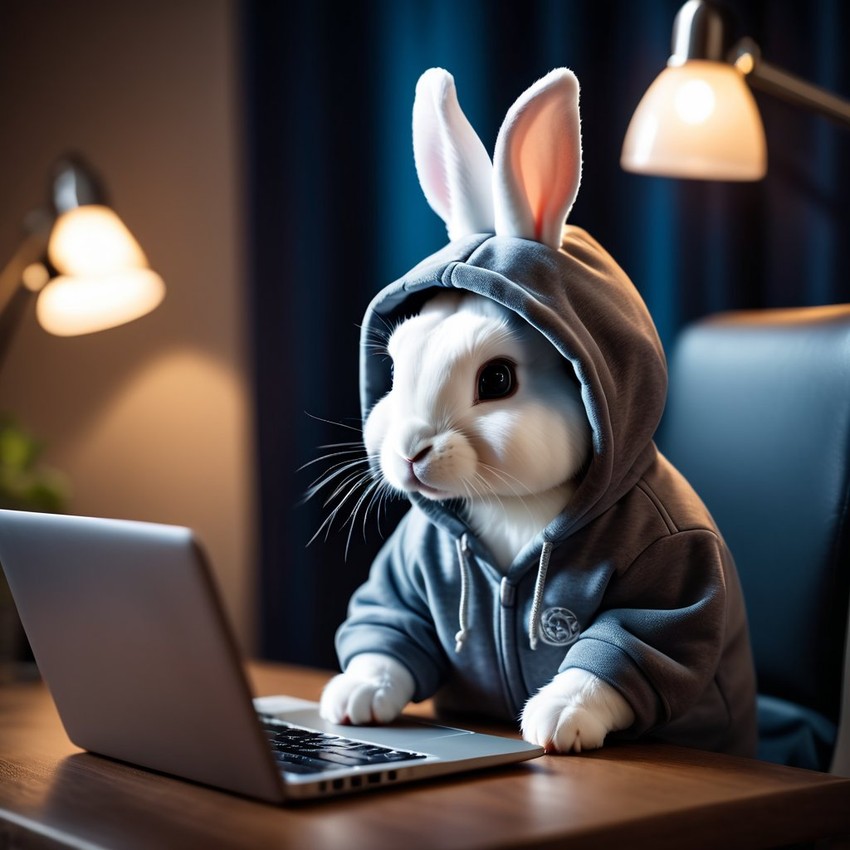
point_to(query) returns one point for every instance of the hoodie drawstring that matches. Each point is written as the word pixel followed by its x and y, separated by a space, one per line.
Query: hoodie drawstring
pixel 537 601
pixel 462 545
pixel 463 609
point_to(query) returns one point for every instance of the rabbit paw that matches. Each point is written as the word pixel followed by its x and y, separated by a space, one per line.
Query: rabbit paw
pixel 574 712
pixel 373 689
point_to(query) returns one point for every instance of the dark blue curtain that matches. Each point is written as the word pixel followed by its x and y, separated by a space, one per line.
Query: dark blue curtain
pixel 334 212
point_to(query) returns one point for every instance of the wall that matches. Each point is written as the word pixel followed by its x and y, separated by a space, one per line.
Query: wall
pixel 150 420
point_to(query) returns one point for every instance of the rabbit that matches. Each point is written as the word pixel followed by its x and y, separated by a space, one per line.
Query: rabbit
pixel 523 383
pixel 482 409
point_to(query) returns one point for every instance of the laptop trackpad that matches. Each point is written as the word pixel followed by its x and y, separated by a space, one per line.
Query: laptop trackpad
pixel 304 713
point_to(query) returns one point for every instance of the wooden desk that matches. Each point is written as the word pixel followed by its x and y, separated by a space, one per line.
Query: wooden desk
pixel 637 796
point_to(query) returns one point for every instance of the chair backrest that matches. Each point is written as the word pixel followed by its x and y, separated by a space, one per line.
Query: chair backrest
pixel 758 420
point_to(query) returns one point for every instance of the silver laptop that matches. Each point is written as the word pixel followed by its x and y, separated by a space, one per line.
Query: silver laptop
pixel 130 636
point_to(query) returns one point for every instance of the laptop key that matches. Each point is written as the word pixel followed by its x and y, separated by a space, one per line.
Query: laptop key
pixel 341 758
pixel 395 755
pixel 296 763
pixel 312 748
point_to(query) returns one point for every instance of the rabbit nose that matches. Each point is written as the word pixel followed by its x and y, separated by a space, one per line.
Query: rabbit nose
pixel 413 441
pixel 420 455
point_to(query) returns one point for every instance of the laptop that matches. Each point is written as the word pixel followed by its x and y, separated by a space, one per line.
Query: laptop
pixel 130 635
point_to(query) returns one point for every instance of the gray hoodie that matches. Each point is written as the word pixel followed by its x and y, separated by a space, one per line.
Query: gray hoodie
pixel 632 582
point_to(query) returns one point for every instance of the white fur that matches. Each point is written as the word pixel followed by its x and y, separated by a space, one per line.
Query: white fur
pixel 574 712
pixel 373 689
pixel 506 524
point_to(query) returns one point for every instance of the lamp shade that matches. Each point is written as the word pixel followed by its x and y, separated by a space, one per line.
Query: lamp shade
pixel 103 280
pixel 92 239
pixel 698 119
pixel 83 304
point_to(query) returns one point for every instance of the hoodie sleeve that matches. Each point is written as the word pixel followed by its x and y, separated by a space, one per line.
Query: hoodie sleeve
pixel 660 632
pixel 390 613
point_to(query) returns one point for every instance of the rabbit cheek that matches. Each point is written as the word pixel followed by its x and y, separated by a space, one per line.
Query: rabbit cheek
pixel 375 427
pixel 377 439
pixel 497 436
pixel 524 454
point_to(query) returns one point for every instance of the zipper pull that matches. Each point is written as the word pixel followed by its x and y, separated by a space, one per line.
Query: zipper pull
pixel 507 593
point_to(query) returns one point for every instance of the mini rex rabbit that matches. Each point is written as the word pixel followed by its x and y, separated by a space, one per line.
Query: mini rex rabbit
pixel 554 567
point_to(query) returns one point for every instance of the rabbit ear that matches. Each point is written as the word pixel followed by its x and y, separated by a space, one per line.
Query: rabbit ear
pixel 537 163
pixel 454 168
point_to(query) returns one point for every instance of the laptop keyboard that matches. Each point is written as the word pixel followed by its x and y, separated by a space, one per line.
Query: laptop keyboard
pixel 299 750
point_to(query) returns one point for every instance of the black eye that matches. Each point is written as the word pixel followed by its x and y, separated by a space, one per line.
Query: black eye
pixel 496 379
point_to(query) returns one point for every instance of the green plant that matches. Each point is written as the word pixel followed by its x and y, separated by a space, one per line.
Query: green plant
pixel 25 484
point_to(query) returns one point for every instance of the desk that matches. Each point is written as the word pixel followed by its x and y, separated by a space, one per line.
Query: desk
pixel 636 796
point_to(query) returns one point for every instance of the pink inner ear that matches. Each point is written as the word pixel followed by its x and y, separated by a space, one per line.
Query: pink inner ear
pixel 435 175
pixel 548 169
pixel 538 160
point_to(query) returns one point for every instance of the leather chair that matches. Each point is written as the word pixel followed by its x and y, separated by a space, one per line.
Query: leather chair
pixel 758 420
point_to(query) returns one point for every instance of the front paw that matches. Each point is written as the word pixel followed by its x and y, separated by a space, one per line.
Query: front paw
pixel 574 712
pixel 373 689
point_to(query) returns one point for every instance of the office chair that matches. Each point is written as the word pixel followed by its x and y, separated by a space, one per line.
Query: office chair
pixel 758 419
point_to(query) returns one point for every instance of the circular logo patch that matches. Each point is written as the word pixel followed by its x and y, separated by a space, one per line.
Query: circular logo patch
pixel 559 627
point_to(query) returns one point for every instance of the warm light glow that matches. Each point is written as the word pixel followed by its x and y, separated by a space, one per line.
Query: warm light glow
pixel 104 276
pixel 698 120
pixel 694 101
pixel 35 276
pixel 92 240
pixel 69 306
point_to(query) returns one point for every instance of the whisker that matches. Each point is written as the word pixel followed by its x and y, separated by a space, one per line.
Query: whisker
pixel 353 514
pixel 351 482
pixel 377 339
pixel 328 477
pixel 352 443
pixel 377 493
pixel 356 481
pixel 343 452
pixel 359 430
pixel 387 494
pixel 525 498
pixel 388 329
pixel 506 478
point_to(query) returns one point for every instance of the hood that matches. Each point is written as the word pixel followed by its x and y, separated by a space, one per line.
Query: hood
pixel 587 307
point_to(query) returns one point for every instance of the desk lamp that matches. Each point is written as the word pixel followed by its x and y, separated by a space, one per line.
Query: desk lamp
pixel 699 119
pixel 81 261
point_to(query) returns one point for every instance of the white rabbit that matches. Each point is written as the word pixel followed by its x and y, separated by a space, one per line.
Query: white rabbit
pixel 484 410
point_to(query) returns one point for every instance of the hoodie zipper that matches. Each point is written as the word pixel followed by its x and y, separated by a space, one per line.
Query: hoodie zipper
pixel 507 598
pixel 507 615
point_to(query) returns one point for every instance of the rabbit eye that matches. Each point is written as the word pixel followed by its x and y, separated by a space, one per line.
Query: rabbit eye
pixel 497 379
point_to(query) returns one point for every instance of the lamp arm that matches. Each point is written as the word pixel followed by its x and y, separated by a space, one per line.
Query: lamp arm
pixel 14 296
pixel 772 80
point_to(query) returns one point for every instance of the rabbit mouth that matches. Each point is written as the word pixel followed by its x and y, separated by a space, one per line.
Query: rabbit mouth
pixel 414 484
pixel 431 493
pixel 405 476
